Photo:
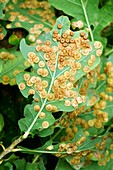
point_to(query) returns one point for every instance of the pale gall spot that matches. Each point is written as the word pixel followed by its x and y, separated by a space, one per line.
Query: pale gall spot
pixel 45 124
pixel 67 103
pixel 49 148
pixel 86 69
pixel 31 92
pixel 41 64
pixel 26 76
pixel 49 107
pixel 42 115
pixel 97 44
pixel 59 26
pixel 22 86
pixel 36 108
pixel 99 52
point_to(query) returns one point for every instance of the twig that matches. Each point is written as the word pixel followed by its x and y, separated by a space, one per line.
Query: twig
pixel 11 147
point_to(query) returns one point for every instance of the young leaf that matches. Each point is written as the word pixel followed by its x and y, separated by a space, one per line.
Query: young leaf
pixel 59 59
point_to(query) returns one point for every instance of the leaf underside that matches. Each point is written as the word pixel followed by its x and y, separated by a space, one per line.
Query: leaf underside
pixel 59 59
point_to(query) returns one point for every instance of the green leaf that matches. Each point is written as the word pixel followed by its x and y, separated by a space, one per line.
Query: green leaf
pixel 89 13
pixel 21 164
pixel 2 6
pixel 35 17
pixel 1 122
pixel 63 165
pixel 55 73
pixel 2 32
pixel 104 84
pixel 12 63
pixel 14 40
pixel 9 165
pixel 94 165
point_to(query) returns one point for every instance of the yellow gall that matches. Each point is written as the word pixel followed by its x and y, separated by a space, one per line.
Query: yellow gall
pixel 111 146
pixel 110 98
pixel 90 62
pixel 38 48
pixel 91 122
pixel 72 79
pixel 93 58
pixel 102 104
pixel 98 53
pixel 83 98
pixel 86 69
pixel 74 129
pixel 38 79
pixel 98 123
pixel 79 99
pixel 97 44
pixel 43 93
pixel 102 76
pixel 12 81
pixel 54 109
pixel 47 42
pixel 59 26
pixel 109 89
pixel 44 84
pixel 39 42
pixel 36 60
pixel 12 56
pixel 16 72
pixel 32 38
pixel 39 71
pixel 31 57
pixel 49 148
pixel 26 63
pixel 36 99
pixel 49 107
pixel 85 52
pixel 74 103
pixel 26 76
pixel 83 138
pixel 29 83
pixel 41 64
pixel 45 124
pixel 31 54
pixel 33 79
pixel 78 24
pixel 67 74
pixel 42 115
pixel 109 64
pixel 67 103
pixel 36 108
pixel 31 91
pixel 50 96
pixel 45 73
pixel 22 86
pixel 78 65
pixel 5 78
pixel 69 86
pixel 86 133
pixel 54 49
pixel 111 155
